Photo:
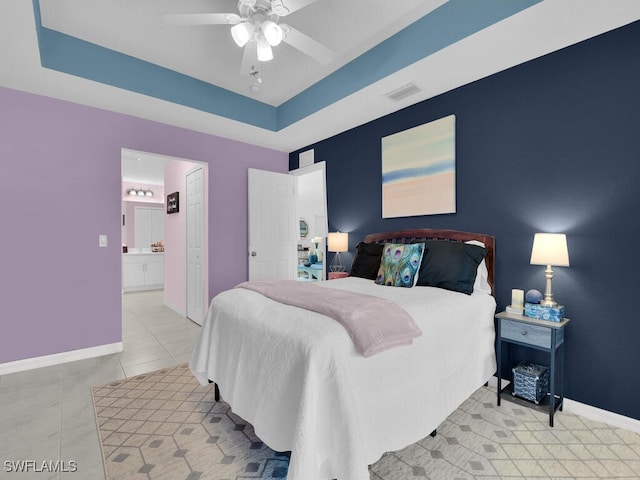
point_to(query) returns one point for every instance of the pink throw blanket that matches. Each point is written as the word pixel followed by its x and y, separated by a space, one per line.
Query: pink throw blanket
pixel 374 324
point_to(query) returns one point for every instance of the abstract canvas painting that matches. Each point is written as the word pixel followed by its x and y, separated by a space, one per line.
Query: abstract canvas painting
pixel 419 170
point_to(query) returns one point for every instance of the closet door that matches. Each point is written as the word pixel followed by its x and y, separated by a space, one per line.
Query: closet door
pixel 149 226
pixel 157 224
pixel 143 227
pixel 195 245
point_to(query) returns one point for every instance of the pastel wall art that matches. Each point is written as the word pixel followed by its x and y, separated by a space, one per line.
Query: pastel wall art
pixel 419 170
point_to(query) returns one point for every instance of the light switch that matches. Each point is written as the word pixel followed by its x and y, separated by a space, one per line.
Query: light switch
pixel 102 240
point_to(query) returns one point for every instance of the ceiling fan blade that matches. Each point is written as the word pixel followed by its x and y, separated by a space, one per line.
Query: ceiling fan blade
pixel 250 57
pixel 282 8
pixel 307 45
pixel 191 19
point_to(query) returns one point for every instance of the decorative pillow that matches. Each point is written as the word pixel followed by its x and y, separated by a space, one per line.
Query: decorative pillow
pixel 450 265
pixel 367 260
pixel 399 264
pixel 482 278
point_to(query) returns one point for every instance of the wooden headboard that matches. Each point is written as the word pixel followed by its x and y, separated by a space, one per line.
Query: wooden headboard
pixel 422 234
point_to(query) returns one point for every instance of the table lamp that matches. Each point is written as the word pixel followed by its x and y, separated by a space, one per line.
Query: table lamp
pixel 337 242
pixel 549 249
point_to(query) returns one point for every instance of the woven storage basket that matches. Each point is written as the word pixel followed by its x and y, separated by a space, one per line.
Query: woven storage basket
pixel 531 381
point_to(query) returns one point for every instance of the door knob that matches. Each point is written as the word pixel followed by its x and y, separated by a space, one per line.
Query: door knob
pixel 253 254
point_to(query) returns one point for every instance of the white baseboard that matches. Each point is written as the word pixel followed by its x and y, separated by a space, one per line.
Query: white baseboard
pixel 58 358
pixel 587 411
pixel 600 415
pixel 180 311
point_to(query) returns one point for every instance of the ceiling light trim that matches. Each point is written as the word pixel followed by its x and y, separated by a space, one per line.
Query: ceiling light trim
pixel 433 32
pixel 77 57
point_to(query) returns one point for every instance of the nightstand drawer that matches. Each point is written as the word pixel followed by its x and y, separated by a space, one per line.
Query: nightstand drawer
pixel 526 333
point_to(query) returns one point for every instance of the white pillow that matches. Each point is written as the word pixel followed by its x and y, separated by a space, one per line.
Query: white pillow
pixel 482 274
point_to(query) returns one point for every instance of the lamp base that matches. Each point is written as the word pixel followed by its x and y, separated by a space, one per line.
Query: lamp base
pixel 548 303
pixel 336 264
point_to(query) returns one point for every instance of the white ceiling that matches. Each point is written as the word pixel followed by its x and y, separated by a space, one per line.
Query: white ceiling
pixel 143 168
pixel 132 26
pixel 208 52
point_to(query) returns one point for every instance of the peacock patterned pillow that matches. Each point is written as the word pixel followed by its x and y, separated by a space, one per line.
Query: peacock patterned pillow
pixel 399 264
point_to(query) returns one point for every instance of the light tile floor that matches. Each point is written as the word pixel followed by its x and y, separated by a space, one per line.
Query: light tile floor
pixel 47 413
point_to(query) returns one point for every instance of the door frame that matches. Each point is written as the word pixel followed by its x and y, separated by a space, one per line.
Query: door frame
pixel 315 167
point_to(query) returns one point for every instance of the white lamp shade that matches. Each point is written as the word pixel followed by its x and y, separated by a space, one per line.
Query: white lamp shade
pixel 141 193
pixel 550 249
pixel 338 242
pixel 272 32
pixel 316 239
pixel 133 192
pixel 242 33
pixel 264 50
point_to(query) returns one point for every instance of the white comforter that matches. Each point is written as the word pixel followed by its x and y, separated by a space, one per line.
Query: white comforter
pixel 297 378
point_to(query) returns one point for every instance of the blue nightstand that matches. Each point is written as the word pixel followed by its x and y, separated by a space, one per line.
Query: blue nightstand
pixel 540 335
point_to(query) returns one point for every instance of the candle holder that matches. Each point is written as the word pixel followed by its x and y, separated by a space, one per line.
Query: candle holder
pixel 517 302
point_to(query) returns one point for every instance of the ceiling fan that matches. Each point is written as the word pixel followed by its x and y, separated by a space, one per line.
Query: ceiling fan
pixel 256 28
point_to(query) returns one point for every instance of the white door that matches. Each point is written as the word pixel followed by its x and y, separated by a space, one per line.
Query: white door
pixel 195 245
pixel 273 232
pixel 149 226
pixel 157 224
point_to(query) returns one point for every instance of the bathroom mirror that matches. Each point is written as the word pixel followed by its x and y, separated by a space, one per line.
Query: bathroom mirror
pixel 304 228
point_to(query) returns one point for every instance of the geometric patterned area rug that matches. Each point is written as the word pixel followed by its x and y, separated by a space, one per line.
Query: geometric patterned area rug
pixel 164 425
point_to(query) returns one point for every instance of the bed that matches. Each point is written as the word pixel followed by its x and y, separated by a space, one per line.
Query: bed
pixel 297 378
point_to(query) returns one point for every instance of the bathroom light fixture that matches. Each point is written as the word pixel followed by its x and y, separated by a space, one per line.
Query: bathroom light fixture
pixel 139 192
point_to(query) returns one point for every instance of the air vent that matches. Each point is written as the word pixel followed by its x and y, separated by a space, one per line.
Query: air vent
pixel 403 92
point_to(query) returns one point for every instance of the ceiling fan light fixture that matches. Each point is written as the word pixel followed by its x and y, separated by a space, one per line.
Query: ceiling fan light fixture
pixel 278 7
pixel 272 32
pixel 248 3
pixel 242 33
pixel 264 50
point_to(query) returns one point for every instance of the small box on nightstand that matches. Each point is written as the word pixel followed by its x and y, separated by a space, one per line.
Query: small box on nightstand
pixel 551 314
pixel 334 275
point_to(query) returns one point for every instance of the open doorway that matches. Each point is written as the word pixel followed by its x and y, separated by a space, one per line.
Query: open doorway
pixel 278 204
pixel 165 256
pixel 311 210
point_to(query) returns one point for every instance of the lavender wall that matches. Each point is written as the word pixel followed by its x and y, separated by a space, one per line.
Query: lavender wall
pixel 60 291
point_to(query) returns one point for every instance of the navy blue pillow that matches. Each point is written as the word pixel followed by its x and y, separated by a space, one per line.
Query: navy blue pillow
pixel 367 260
pixel 450 265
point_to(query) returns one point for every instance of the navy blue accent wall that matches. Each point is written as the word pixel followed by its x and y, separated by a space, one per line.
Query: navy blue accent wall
pixel 552 145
